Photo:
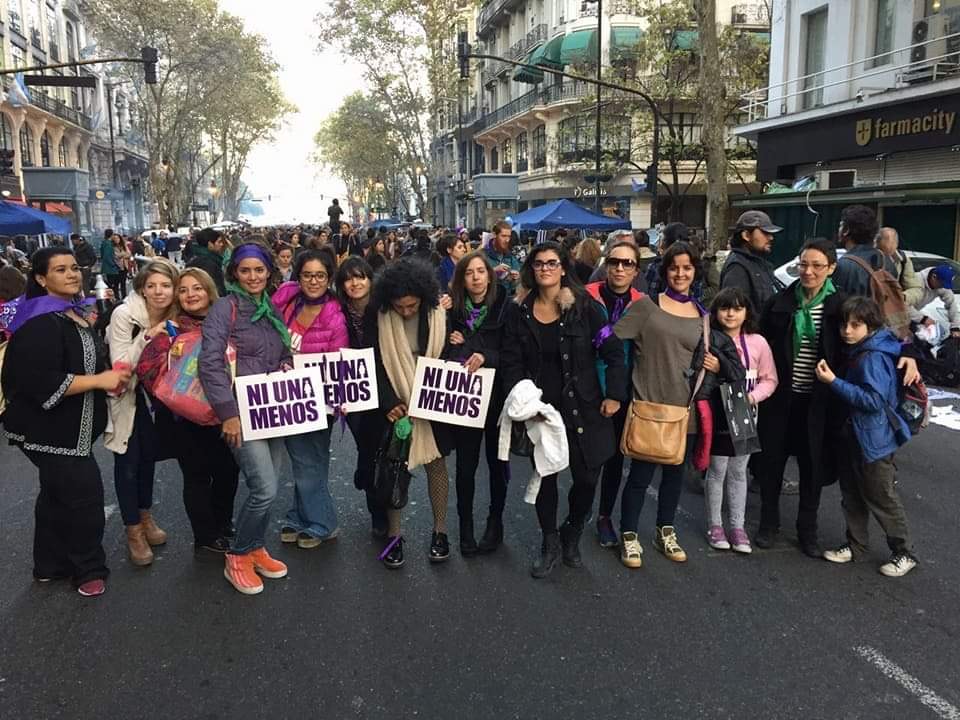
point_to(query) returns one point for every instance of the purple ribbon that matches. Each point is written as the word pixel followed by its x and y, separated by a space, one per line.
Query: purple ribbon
pixel 389 547
pixel 607 330
pixel 340 393
pixel 18 311
pixel 681 298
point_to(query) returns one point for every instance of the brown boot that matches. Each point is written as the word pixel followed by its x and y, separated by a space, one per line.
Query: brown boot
pixel 155 536
pixel 140 552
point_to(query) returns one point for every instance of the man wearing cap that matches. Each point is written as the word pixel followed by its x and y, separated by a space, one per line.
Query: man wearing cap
pixel 937 282
pixel 746 267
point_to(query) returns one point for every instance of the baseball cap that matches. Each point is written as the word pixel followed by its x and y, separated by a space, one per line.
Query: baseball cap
pixel 757 219
pixel 944 274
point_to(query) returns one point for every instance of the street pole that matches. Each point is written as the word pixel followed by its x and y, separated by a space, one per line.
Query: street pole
pixel 460 164
pixel 113 148
pixel 596 188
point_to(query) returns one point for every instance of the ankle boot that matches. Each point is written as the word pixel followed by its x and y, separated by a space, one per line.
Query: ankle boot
pixel 468 544
pixel 570 539
pixel 549 555
pixel 139 549
pixel 155 536
pixel 492 534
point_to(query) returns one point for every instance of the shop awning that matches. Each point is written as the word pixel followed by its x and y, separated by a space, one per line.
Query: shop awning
pixel 548 54
pixel 579 48
pixel 686 39
pixel 623 43
pixel 530 75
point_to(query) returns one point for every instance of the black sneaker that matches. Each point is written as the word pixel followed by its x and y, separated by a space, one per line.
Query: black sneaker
pixel 228 530
pixel 811 548
pixel 439 547
pixel 218 546
pixel 392 555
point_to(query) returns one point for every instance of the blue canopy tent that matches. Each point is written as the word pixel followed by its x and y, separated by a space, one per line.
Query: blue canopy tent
pixel 386 224
pixel 565 214
pixel 23 220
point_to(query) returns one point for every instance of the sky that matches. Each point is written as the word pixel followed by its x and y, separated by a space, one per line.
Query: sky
pixel 313 83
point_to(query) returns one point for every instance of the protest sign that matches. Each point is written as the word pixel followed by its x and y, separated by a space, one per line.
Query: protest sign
pixel 349 378
pixel 280 404
pixel 447 392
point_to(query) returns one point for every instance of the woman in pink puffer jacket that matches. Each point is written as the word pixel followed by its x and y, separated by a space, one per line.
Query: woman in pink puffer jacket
pixel 317 324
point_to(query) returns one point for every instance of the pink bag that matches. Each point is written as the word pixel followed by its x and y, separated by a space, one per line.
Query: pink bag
pixel 178 387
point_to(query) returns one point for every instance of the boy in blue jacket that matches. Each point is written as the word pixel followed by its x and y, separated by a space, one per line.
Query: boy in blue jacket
pixel 867 470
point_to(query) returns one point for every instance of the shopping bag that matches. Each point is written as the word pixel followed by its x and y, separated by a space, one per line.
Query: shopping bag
pixel 741 418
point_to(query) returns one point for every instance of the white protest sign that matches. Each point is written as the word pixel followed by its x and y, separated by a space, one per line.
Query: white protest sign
pixel 349 378
pixel 447 392
pixel 280 404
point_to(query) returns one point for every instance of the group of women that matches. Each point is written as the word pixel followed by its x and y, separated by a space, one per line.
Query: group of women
pixel 588 350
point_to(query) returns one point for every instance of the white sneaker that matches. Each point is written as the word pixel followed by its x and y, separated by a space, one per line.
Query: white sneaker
pixel 898 565
pixel 631 554
pixel 842 554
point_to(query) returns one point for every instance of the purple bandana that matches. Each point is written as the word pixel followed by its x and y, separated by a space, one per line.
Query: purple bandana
pixel 681 298
pixel 251 250
pixel 18 311
pixel 607 330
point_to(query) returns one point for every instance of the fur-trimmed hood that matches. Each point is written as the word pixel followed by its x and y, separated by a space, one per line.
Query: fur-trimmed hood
pixel 565 299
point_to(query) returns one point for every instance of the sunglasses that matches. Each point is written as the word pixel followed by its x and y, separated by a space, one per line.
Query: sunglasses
pixel 622 262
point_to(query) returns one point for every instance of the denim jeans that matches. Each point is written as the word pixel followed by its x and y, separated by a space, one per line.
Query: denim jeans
pixel 313 511
pixel 668 498
pixel 259 462
pixel 133 471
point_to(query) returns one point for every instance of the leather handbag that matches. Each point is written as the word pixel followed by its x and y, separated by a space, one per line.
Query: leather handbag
pixel 657 432
pixel 392 478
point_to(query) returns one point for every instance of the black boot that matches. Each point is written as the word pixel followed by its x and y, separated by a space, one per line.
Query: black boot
pixel 468 545
pixel 570 539
pixel 492 534
pixel 549 555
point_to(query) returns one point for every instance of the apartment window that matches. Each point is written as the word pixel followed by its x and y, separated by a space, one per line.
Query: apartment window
pixel 71 41
pixel 18 58
pixel 45 149
pixel 522 162
pixel 540 146
pixel 814 57
pixel 26 146
pixel 883 33
pixel 53 33
pixel 494 160
pixel 14 18
pixel 507 156
pixel 36 20
pixel 6 133
pixel 479 161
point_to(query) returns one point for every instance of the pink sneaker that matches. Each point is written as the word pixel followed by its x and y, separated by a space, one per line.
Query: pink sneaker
pixel 740 541
pixel 717 538
pixel 92 588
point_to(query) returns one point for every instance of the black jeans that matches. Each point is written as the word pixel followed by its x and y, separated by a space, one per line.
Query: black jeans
pixel 613 468
pixel 68 536
pixel 133 471
pixel 210 478
pixel 368 429
pixel 774 463
pixel 467 443
pixel 580 497
pixel 668 496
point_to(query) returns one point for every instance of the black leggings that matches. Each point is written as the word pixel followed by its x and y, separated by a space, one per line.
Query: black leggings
pixel 210 478
pixel 612 476
pixel 580 497
pixel 467 442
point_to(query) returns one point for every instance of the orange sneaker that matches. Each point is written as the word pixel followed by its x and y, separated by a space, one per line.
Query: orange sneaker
pixel 238 571
pixel 266 565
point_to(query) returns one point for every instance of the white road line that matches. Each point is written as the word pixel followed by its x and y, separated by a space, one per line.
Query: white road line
pixel 908 682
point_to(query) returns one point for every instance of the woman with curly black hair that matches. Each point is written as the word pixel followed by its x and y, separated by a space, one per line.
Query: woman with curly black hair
pixel 410 323
pixel 554 338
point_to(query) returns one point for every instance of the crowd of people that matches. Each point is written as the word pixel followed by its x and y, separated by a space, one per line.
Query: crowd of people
pixel 614 355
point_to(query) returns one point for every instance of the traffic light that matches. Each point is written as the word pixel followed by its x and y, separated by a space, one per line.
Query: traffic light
pixel 6 162
pixel 650 179
pixel 149 56
pixel 463 49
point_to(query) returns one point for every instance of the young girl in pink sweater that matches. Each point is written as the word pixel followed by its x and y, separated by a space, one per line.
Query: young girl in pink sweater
pixel 732 313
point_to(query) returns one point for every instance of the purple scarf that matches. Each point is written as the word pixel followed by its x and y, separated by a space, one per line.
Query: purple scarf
pixel 607 330
pixel 681 298
pixel 15 313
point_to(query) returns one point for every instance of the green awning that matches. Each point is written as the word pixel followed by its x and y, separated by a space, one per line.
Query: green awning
pixel 548 54
pixel 579 48
pixel 528 74
pixel 686 39
pixel 623 43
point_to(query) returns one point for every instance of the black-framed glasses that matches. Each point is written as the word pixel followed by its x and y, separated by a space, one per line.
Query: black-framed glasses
pixel 314 277
pixel 546 264
pixel 622 262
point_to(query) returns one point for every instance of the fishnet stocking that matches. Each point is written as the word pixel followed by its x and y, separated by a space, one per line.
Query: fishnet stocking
pixel 438 485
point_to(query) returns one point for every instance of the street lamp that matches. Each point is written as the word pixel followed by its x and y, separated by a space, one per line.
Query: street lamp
pixel 378 186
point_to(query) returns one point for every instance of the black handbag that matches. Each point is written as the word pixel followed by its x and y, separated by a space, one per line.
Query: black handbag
pixel 520 443
pixel 391 483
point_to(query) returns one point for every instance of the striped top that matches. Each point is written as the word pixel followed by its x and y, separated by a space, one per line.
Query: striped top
pixel 805 363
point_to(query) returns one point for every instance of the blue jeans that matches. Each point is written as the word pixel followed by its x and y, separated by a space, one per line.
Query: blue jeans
pixel 259 462
pixel 133 470
pixel 313 511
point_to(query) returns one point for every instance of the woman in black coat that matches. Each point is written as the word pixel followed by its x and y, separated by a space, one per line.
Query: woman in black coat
pixel 549 339
pixel 476 328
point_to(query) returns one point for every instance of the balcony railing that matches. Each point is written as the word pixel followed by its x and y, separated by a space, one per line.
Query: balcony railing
pixel 755 14
pixel 625 7
pixel 522 46
pixel 61 110
pixel 546 96
pixel 490 11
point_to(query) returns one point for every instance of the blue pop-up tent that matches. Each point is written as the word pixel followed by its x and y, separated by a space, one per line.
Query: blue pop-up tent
pixel 566 214
pixel 23 220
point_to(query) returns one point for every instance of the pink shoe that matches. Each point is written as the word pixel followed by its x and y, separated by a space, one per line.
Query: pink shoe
pixel 740 541
pixel 92 588
pixel 717 538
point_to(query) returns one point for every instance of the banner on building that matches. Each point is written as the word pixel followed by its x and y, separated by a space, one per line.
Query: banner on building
pixel 447 392
pixel 349 378
pixel 278 404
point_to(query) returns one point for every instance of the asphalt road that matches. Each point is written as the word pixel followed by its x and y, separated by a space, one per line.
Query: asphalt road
pixel 773 635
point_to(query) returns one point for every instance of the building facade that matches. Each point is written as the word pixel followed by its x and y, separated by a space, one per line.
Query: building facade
pixel 540 128
pixel 63 157
pixel 864 99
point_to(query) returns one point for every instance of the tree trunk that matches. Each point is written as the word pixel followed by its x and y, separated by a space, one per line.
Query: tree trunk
pixel 714 116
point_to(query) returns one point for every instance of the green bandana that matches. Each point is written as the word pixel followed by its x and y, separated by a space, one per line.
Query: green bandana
pixel 475 316
pixel 264 308
pixel 803 325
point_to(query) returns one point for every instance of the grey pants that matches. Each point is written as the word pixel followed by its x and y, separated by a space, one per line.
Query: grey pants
pixel 734 470
pixel 869 488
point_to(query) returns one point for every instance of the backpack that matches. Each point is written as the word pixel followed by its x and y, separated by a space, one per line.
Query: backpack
pixel 913 407
pixel 885 290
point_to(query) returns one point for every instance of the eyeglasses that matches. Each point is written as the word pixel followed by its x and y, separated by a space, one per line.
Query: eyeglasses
pixel 622 262
pixel 546 264
pixel 314 277
pixel 816 267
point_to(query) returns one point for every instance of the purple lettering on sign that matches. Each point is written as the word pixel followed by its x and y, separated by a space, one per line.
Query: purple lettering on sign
pixel 432 377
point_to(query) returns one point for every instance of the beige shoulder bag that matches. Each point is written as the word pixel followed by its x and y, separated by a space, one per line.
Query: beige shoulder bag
pixel 657 433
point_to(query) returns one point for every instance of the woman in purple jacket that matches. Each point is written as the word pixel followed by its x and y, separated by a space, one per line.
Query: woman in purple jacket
pixel 316 324
pixel 247 320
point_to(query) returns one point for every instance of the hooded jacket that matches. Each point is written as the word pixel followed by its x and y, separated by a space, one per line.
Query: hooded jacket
pixel 870 391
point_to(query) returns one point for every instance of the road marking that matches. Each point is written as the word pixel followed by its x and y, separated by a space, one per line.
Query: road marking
pixel 908 682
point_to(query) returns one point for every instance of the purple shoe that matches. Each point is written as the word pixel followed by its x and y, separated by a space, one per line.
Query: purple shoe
pixel 717 538
pixel 740 541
